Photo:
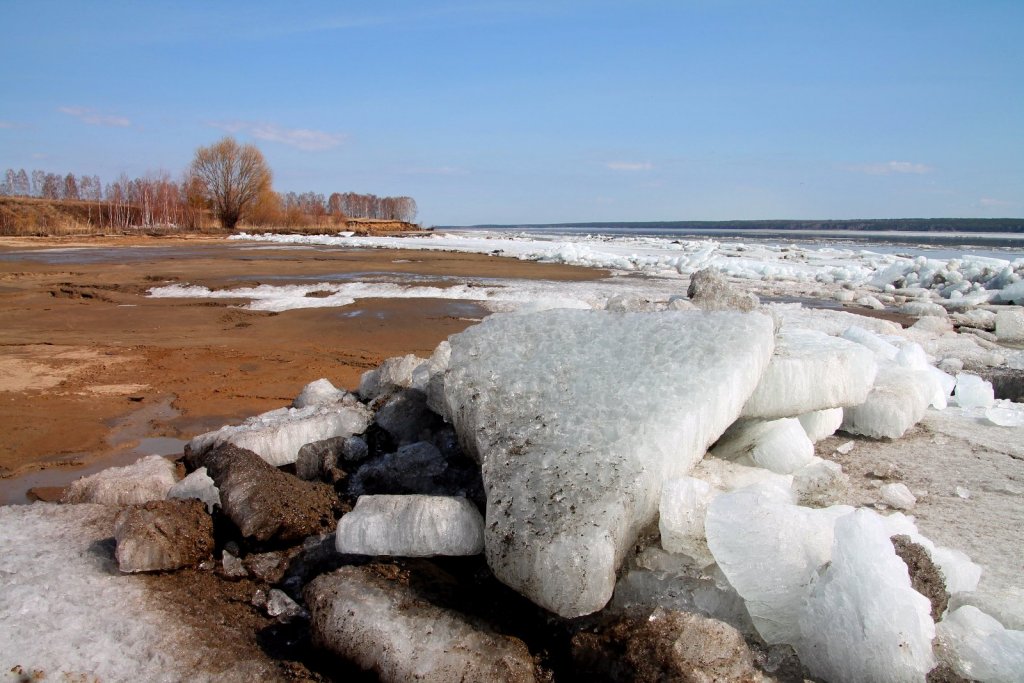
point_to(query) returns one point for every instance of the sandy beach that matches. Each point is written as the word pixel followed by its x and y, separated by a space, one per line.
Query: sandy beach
pixel 94 373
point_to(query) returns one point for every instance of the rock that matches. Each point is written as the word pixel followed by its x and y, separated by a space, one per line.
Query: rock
pixel 862 620
pixel 411 526
pixel 1010 325
pixel 322 392
pixel 232 566
pixel 811 371
pixel 268 567
pixel 710 291
pixel 148 479
pixel 821 424
pixel 925 576
pixel 278 435
pixel 406 418
pixel 897 496
pixel 267 504
pixel 575 443
pixel 978 647
pixel 197 485
pixel 382 626
pixel 897 402
pixel 282 607
pixel 770 550
pixel 325 460
pixel 667 646
pixel 781 446
pixel 163 535
pixel 417 468
pixel 393 374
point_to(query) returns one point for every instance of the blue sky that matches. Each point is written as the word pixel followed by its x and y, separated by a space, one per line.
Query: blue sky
pixel 523 112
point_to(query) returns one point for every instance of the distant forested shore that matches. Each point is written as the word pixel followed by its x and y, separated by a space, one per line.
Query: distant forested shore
pixel 1013 225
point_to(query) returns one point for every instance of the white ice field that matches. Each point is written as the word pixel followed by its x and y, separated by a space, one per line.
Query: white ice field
pixel 604 435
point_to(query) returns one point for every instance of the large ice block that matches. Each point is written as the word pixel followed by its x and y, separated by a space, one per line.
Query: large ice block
pixel 781 446
pixel 148 478
pixel 863 621
pixel 577 418
pixel 980 648
pixel 770 550
pixel 811 371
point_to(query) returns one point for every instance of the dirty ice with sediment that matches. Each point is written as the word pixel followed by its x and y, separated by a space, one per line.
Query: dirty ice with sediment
pixel 814 481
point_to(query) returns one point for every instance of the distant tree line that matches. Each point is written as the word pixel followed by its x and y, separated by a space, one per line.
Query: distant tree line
pixel 158 200
pixel 898 224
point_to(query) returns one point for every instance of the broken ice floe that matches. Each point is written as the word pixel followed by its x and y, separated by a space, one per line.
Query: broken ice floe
pixel 575 444
pixel 277 436
pixel 149 478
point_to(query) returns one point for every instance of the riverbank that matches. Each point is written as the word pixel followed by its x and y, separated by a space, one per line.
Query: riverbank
pixel 91 368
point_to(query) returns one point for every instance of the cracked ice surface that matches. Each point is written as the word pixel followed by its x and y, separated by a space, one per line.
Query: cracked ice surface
pixel 577 417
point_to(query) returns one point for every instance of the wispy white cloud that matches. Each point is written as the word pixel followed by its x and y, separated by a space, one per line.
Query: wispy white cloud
pixel 629 165
pixel 992 203
pixel 891 168
pixel 95 118
pixel 305 139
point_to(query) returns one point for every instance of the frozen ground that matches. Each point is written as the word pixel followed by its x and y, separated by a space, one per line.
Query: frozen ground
pixel 69 614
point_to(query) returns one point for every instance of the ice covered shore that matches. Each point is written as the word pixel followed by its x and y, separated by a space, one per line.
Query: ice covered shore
pixel 638 462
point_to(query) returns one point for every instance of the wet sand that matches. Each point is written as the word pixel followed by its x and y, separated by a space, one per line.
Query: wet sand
pixel 94 373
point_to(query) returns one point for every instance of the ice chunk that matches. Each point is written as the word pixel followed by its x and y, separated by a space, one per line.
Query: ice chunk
pixel 278 435
pixel 578 417
pixel 897 496
pixel 923 308
pixel 321 392
pixel 973 392
pixel 406 418
pixel 933 325
pixel 770 549
pixel 1010 325
pixel 882 349
pixel 960 574
pixel 411 526
pixel 729 476
pixel 1006 414
pixel 897 402
pixel 820 483
pixel 811 371
pixel 385 627
pixel 863 621
pixel 830 322
pixel 197 485
pixel 429 378
pixel 979 648
pixel 781 446
pixel 684 504
pixel 711 291
pixel 282 607
pixel 1013 293
pixel 149 478
pixel 821 423
pixel 417 468
pixel 394 373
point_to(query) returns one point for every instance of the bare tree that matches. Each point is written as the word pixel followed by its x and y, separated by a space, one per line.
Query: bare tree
pixel 233 177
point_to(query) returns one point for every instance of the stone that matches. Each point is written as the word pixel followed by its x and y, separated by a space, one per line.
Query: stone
pixel 384 627
pixel 666 646
pixel 710 291
pixel 411 526
pixel 266 504
pixel 148 479
pixel 417 468
pixel 406 418
pixel 925 576
pixel 577 417
pixel 163 535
